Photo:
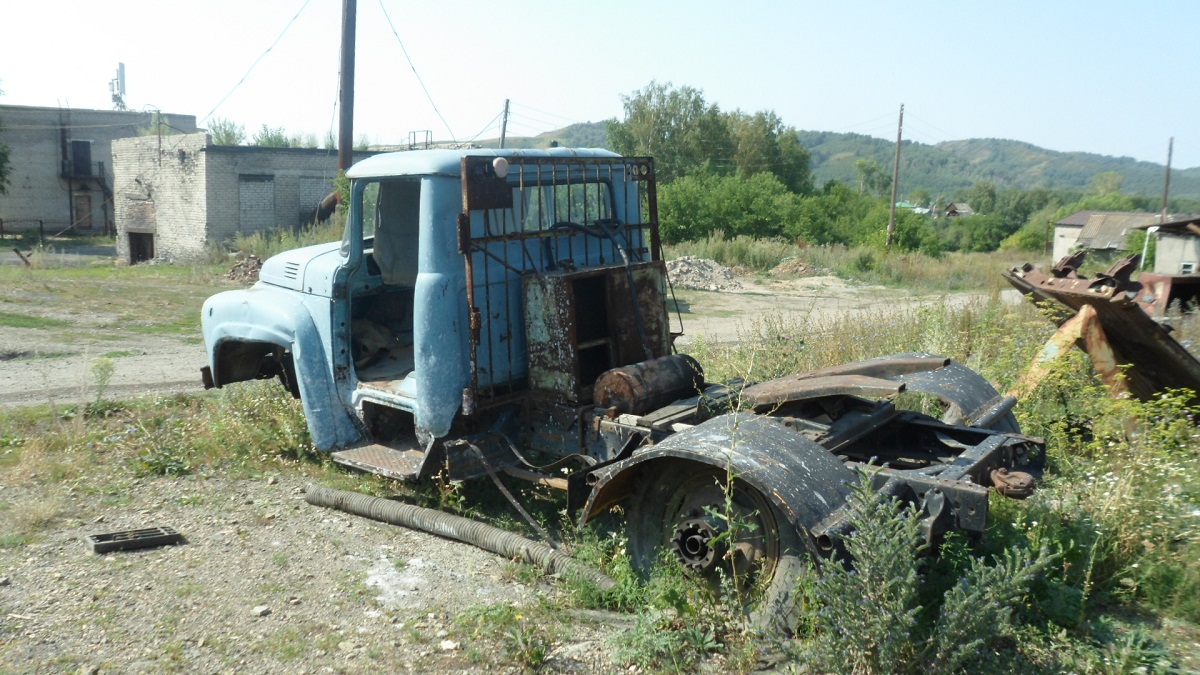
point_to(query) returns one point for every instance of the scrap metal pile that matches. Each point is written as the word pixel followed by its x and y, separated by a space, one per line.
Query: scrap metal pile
pixel 1119 322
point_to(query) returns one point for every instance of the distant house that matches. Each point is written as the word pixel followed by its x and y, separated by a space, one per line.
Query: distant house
pixel 61 164
pixel 1097 230
pixel 177 198
pixel 1176 245
pixel 958 209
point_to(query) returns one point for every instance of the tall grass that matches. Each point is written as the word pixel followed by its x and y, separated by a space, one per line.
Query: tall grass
pixel 266 243
pixel 1119 506
pixel 950 272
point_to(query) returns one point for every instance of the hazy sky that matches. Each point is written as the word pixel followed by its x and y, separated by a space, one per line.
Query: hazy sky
pixel 1109 77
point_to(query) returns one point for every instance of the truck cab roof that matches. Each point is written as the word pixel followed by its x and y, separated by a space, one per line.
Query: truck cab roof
pixel 449 162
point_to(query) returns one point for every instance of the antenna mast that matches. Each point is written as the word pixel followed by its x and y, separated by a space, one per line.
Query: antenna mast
pixel 116 87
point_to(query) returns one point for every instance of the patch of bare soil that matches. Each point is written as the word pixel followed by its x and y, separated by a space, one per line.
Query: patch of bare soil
pixel 793 267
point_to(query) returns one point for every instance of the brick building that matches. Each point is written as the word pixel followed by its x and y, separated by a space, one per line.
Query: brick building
pixel 177 199
pixel 61 163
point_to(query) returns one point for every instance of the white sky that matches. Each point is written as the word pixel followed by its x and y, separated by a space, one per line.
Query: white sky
pixel 1106 76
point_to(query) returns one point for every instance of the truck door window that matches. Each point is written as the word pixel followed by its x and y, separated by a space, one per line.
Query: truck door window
pixel 394 206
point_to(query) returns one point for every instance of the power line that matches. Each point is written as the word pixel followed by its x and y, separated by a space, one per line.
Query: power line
pixel 490 124
pixel 947 134
pixel 414 69
pixel 256 61
pixel 543 112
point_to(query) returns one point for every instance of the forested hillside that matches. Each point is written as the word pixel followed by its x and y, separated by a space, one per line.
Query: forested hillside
pixel 953 166
pixel 947 169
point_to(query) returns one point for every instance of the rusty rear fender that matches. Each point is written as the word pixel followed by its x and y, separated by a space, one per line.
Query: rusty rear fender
pixel 802 480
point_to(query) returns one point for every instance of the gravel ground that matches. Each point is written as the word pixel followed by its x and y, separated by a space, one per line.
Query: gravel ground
pixel 265 583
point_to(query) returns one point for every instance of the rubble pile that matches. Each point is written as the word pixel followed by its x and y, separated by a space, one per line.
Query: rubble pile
pixel 793 267
pixel 700 274
pixel 246 269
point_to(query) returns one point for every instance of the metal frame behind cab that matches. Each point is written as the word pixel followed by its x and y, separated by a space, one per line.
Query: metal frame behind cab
pixel 503 240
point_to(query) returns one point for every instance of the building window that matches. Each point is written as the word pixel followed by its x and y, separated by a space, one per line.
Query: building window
pixel 1187 268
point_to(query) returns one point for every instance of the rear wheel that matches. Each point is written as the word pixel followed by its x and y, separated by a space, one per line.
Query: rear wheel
pixel 714 528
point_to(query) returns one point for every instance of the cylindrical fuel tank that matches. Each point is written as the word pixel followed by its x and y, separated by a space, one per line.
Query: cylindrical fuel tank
pixel 642 387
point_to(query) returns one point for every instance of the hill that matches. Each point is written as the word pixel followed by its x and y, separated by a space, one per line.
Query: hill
pixel 947 168
pixel 581 135
pixel 952 166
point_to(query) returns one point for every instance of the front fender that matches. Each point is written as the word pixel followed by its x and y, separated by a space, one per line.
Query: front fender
pixel 802 479
pixel 267 315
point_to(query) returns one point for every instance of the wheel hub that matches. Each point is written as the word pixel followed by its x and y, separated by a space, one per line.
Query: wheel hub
pixel 698 545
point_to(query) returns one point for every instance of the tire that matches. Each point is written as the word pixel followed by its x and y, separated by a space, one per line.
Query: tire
pixel 681 507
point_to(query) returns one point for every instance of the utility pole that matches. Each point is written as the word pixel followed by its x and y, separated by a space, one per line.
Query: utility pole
pixel 504 124
pixel 345 151
pixel 346 95
pixel 1162 218
pixel 891 231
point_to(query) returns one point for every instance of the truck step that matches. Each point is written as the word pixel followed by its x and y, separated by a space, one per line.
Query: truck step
pixel 382 460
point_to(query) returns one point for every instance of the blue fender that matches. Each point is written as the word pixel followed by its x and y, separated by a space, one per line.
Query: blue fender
pixel 265 314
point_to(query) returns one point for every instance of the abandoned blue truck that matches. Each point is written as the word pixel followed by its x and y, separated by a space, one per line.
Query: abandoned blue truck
pixel 503 310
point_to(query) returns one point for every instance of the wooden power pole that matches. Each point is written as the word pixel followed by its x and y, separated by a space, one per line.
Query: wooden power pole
pixel 504 123
pixel 1162 218
pixel 891 231
pixel 346 97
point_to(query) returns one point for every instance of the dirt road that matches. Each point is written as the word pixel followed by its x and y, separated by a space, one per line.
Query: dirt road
pixel 35 367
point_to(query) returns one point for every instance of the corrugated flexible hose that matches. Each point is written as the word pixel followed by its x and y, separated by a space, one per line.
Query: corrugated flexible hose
pixel 489 538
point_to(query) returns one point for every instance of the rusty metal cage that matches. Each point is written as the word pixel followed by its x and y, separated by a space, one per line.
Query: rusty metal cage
pixel 564 266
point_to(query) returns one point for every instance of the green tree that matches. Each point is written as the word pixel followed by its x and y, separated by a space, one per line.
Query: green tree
pixel 1106 183
pixel 920 197
pixel 269 137
pixel 225 131
pixel 869 176
pixel 762 143
pixel 794 168
pixel 982 197
pixel 705 202
pixel 681 130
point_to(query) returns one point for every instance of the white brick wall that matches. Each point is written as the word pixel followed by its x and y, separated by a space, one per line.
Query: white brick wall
pixel 193 195
pixel 161 190
pixel 36 137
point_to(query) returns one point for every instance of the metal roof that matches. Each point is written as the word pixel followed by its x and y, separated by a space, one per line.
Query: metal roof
pixel 1080 218
pixel 1176 225
pixel 1107 230
pixel 449 162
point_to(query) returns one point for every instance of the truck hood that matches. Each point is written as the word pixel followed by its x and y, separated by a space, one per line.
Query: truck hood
pixel 307 270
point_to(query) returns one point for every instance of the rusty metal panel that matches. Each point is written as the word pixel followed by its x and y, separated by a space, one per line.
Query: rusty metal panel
pixel 649 281
pixel 1156 361
pixel 550 334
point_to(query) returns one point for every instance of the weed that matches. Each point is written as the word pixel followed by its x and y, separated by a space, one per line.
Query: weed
pixel 867 618
pixel 524 639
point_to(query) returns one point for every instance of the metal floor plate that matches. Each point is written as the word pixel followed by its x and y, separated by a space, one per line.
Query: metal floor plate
pixel 382 460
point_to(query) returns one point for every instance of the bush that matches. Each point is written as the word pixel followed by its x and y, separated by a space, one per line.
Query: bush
pixel 867 616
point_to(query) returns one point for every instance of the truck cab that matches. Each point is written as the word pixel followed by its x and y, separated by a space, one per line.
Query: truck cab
pixel 465 282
